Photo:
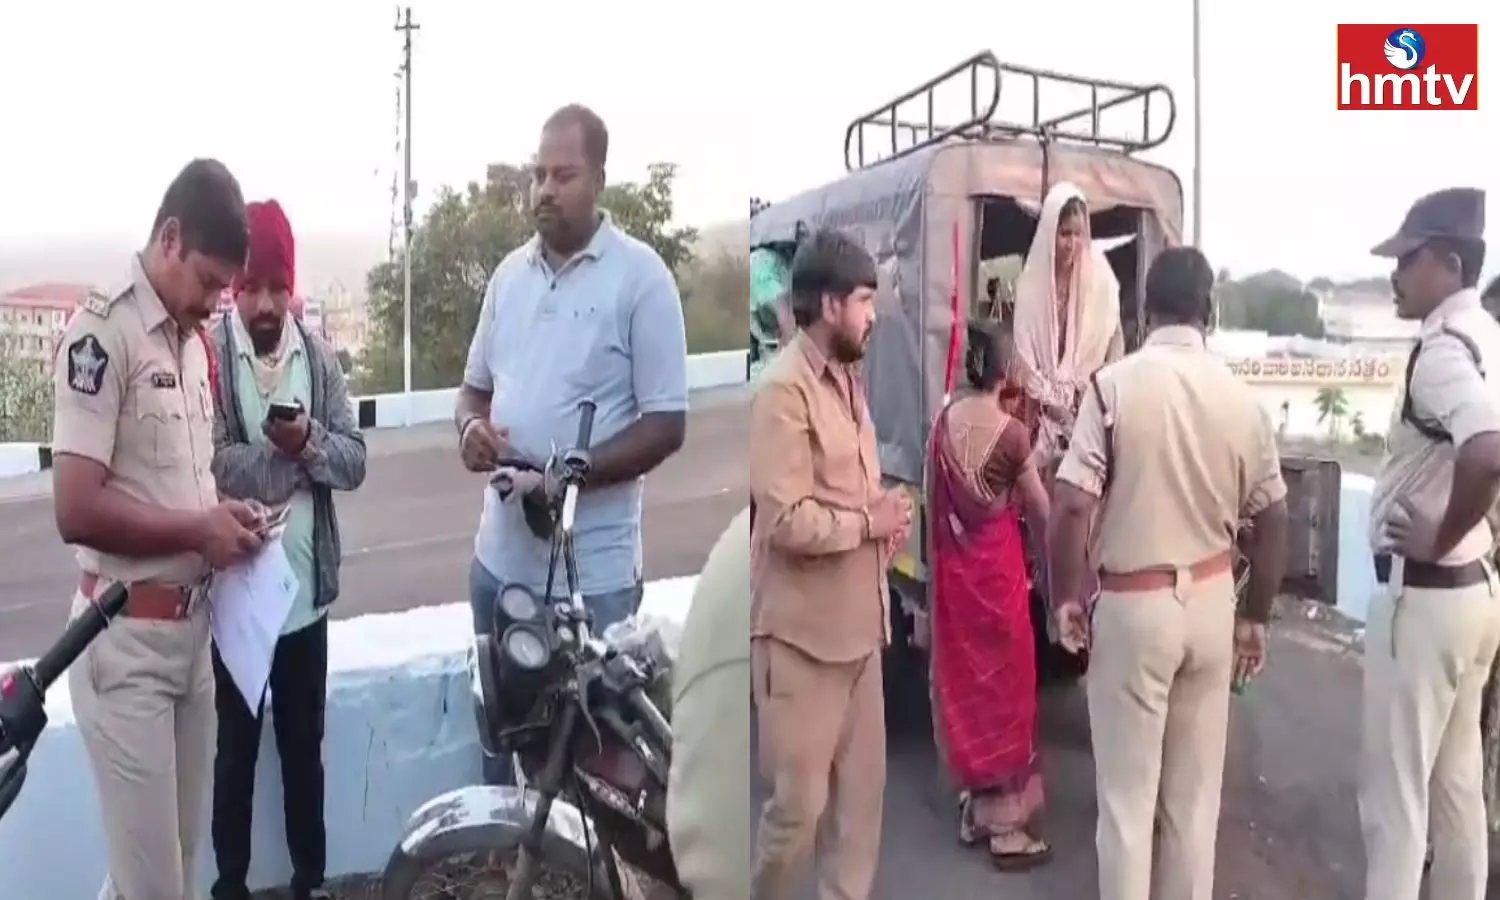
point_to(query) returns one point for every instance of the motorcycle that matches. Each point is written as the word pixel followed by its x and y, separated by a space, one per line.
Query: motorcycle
pixel 590 746
pixel 23 690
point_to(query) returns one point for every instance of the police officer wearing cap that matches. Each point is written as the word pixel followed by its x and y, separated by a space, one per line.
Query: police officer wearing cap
pixel 1434 622
pixel 132 440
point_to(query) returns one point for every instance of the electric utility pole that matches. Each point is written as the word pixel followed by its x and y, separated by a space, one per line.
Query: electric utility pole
pixel 406 26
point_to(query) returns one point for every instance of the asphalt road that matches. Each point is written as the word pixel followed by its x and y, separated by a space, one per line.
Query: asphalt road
pixel 1289 829
pixel 409 532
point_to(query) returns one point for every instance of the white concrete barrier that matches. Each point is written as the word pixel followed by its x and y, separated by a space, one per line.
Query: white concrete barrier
pixel 1356 561
pixel 23 458
pixel 400 731
pixel 705 370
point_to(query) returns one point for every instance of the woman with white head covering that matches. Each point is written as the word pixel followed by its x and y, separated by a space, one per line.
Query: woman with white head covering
pixel 1067 316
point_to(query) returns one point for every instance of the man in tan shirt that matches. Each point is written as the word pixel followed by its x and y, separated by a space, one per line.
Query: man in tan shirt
pixel 133 444
pixel 1172 450
pixel 1434 622
pixel 819 619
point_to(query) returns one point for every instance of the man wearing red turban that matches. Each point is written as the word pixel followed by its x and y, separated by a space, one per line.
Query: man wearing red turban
pixel 284 435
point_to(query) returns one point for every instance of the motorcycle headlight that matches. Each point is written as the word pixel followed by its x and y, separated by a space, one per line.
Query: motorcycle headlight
pixel 518 604
pixel 525 647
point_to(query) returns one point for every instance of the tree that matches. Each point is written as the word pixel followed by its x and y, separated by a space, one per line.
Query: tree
pixel 1332 407
pixel 25 399
pixel 1273 302
pixel 715 292
pixel 455 250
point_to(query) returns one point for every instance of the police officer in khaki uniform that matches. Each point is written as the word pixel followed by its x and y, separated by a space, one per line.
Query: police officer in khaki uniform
pixel 132 443
pixel 1172 450
pixel 708 796
pixel 1434 623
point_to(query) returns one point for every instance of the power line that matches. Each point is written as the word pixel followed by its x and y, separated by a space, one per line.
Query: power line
pixel 406 26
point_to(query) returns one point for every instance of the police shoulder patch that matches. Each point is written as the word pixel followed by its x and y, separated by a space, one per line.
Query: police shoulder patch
pixel 87 363
pixel 98 302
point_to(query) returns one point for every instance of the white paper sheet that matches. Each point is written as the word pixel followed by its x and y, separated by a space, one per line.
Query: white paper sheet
pixel 250 604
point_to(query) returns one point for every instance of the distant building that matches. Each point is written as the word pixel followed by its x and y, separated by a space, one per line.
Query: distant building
pixel 32 320
pixel 344 319
pixel 1366 320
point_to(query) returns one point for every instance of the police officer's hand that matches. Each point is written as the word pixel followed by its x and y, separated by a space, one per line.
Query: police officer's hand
pixel 1249 651
pixel 1073 626
pixel 1412 534
pixel 229 533
pixel 1061 415
pixel 481 444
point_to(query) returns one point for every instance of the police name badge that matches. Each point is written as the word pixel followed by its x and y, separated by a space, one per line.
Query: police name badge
pixel 87 363
pixel 164 380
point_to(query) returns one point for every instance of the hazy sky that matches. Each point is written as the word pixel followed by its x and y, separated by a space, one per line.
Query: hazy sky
pixel 105 101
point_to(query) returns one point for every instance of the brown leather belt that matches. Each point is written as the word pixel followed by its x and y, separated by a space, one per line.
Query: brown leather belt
pixel 148 599
pixel 1163 579
pixel 1430 575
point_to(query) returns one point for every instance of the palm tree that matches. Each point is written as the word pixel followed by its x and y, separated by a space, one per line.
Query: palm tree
pixel 1332 405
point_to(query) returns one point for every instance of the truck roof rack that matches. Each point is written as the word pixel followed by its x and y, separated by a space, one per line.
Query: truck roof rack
pixel 1076 126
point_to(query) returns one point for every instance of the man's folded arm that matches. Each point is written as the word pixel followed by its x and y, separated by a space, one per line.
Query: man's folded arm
pixel 781 479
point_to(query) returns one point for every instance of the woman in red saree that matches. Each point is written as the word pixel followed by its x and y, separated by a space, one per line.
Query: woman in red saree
pixel 983 480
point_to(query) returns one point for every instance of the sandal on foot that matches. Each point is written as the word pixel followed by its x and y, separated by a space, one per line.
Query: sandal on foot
pixel 1035 852
pixel 969 833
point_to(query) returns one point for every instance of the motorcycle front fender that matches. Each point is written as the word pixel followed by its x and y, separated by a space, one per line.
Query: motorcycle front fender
pixel 489 818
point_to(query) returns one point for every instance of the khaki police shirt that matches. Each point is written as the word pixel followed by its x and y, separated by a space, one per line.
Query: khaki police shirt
pixel 1194 452
pixel 132 393
pixel 1447 387
pixel 708 796
pixel 818 583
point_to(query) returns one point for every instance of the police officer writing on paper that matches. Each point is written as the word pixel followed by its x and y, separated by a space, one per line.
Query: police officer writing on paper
pixel 1434 622
pixel 134 491
pixel 1172 451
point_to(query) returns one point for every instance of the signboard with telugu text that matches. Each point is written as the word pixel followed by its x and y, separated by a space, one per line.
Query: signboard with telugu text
pixel 1359 370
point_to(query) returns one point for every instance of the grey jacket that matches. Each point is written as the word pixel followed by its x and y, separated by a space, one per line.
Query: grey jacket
pixel 334 459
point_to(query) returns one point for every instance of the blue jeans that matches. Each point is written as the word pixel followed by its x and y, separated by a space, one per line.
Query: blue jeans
pixel 484 587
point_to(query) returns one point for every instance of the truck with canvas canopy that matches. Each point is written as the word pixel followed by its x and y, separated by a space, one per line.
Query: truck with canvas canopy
pixel 948 208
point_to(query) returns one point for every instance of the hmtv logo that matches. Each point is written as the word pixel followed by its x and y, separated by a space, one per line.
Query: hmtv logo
pixel 1408 67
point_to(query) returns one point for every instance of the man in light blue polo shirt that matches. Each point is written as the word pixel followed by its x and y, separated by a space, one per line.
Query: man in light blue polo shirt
pixel 582 311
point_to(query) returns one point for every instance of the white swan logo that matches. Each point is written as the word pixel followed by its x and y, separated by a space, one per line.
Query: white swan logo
pixel 1405 49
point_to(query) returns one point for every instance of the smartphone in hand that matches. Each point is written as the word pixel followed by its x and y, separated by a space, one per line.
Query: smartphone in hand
pixel 283 412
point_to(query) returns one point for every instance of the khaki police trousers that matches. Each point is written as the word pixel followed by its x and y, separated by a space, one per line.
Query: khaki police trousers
pixel 822 748
pixel 143 694
pixel 1158 691
pixel 1427 657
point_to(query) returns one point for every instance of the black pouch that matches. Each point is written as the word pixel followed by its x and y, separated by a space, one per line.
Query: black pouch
pixel 536 509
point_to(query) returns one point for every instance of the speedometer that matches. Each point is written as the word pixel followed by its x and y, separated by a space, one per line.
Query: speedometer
pixel 525 648
pixel 518 604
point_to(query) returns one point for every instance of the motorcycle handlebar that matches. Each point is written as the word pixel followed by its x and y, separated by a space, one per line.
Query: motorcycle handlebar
pixel 586 411
pixel 76 638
